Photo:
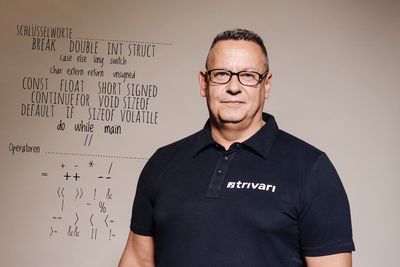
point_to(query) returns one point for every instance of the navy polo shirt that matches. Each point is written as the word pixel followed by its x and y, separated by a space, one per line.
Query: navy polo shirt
pixel 268 201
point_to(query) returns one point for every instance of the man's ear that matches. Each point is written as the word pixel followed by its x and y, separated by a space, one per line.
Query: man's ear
pixel 267 84
pixel 203 83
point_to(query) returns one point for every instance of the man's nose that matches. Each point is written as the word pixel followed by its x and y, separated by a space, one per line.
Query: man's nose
pixel 234 87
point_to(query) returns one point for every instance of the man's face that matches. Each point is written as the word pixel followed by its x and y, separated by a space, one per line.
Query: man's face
pixel 233 102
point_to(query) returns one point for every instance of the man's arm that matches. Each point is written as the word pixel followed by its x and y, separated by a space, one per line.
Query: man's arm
pixel 139 251
pixel 335 260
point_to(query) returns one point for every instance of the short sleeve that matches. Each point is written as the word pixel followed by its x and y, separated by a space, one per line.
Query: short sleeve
pixel 324 223
pixel 142 209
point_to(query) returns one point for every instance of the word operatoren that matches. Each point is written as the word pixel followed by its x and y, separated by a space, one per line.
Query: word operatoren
pixel 23 148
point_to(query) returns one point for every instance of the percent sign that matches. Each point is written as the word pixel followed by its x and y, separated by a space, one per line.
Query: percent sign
pixel 102 207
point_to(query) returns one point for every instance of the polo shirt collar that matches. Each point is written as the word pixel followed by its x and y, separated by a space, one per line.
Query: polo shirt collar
pixel 260 143
pixel 204 139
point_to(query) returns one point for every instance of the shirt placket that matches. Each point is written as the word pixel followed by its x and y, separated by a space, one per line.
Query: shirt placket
pixel 221 169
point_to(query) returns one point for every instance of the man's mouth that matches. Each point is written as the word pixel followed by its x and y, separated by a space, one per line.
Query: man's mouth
pixel 232 101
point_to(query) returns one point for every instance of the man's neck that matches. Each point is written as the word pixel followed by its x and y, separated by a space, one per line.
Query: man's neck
pixel 226 134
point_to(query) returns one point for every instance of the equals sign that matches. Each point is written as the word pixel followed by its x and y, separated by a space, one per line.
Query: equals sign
pixel 44 174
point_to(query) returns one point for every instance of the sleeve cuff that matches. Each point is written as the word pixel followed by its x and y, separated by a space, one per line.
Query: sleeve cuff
pixel 328 250
pixel 141 231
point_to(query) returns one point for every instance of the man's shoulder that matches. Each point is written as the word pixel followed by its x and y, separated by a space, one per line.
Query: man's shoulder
pixel 288 139
pixel 295 148
pixel 185 144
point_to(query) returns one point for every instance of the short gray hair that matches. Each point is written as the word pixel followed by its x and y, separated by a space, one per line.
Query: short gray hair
pixel 240 34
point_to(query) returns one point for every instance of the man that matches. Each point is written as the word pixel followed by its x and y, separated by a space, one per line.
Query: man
pixel 240 192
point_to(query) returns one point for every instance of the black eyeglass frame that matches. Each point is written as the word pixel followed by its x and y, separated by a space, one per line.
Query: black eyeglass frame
pixel 262 76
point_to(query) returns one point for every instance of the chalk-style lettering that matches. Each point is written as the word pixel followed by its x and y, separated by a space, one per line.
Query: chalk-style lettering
pixel 84 47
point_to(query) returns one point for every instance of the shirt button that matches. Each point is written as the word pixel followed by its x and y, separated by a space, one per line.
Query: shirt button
pixel 226 158
pixel 219 172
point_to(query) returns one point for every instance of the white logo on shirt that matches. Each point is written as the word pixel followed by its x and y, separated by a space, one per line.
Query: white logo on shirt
pixel 248 185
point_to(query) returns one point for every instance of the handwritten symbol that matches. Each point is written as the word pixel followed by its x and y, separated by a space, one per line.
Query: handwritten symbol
pixel 44 174
pixel 105 220
pixel 79 193
pixel 88 142
pixel 67 176
pixel 60 193
pixel 62 165
pixel 109 169
pixel 94 233
pixel 53 231
pixel 73 232
pixel 91 163
pixel 91 217
pixel 76 176
pixel 102 207
pixel 109 195
pixel 77 218
pixel 111 235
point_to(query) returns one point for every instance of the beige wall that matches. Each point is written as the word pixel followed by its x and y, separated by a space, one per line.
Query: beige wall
pixel 335 68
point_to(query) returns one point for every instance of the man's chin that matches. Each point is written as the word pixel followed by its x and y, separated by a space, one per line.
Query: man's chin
pixel 231 119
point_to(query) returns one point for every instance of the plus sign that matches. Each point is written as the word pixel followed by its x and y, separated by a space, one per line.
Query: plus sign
pixel 76 176
pixel 67 176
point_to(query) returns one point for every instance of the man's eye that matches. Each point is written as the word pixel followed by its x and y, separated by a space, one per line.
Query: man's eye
pixel 248 75
pixel 221 73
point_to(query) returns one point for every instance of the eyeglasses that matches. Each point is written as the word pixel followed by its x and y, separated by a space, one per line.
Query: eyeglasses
pixel 249 78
